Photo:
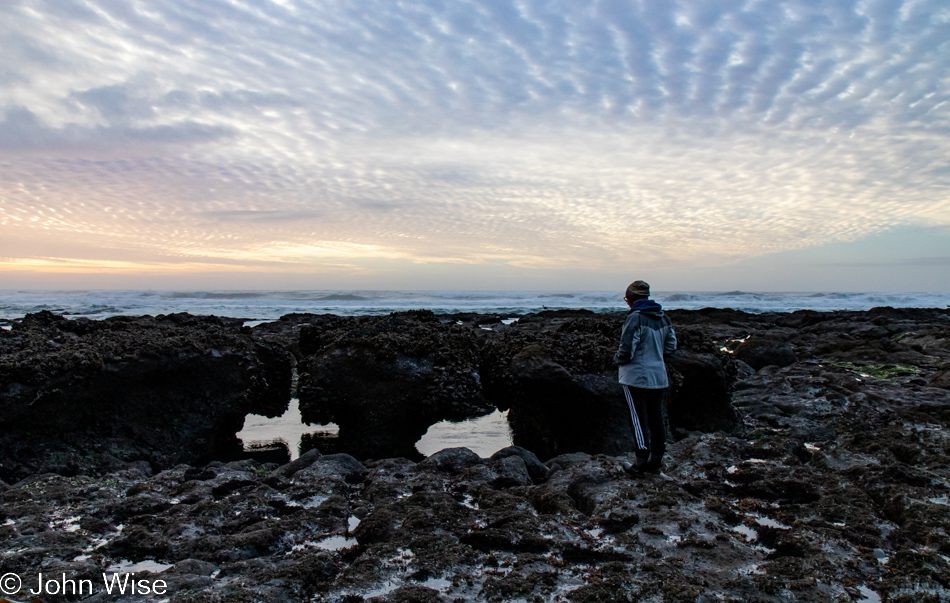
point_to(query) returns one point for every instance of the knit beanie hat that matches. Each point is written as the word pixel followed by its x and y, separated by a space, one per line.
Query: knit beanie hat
pixel 637 289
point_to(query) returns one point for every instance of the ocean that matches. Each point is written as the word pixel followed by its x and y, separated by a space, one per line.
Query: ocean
pixel 483 435
pixel 270 305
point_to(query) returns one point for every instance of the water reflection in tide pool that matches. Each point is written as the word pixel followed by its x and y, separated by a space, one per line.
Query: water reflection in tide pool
pixel 272 439
pixel 482 435
pixel 262 433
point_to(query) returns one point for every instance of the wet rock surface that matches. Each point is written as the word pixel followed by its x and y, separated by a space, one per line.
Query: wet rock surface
pixel 82 396
pixel 832 485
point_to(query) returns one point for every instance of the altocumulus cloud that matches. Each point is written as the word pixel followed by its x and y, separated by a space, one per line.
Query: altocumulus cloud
pixel 540 133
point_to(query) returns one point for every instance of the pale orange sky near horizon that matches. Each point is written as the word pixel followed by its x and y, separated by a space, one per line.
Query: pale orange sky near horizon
pixel 478 145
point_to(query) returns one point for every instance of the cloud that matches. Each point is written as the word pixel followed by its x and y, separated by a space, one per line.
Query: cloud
pixel 535 132
pixel 21 130
pixel 247 100
pixel 250 215
pixel 458 65
pixel 115 104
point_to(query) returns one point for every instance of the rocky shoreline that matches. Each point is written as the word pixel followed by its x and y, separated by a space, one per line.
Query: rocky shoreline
pixel 810 459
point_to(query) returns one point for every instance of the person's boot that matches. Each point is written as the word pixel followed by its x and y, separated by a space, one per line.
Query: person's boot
pixel 637 468
pixel 654 464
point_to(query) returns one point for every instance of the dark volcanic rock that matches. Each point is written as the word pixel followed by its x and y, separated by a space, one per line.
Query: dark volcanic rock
pixel 81 395
pixel 302 462
pixel 341 467
pixel 558 378
pixel 760 351
pixel 384 380
pixel 452 460
pixel 941 379
pixel 285 331
pixel 555 411
pixel 536 469
pixel 835 489
pixel 701 384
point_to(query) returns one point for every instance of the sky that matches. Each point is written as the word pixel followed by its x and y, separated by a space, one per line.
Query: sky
pixel 799 145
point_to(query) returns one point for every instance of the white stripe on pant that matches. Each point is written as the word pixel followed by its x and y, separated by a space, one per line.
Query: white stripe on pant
pixel 637 430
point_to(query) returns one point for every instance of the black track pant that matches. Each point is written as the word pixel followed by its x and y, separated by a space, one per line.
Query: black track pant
pixel 646 412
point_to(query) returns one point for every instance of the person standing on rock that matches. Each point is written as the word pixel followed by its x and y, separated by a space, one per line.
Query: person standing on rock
pixel 647 335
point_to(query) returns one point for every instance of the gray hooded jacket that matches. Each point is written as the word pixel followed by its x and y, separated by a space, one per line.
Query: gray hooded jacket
pixel 647 335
